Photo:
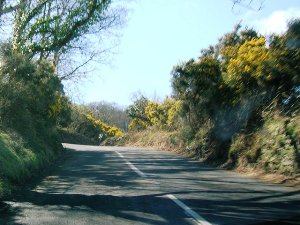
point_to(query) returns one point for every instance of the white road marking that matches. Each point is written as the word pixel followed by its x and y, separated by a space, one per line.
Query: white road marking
pixel 199 219
pixel 132 166
pixel 119 154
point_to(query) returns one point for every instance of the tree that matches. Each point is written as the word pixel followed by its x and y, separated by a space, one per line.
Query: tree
pixel 109 113
pixel 45 26
pixel 9 6
pixel 28 94
pixel 47 29
pixel 249 4
pixel 197 85
pixel 137 110
pixel 286 67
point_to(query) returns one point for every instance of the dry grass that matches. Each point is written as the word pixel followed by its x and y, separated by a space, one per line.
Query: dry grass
pixel 291 181
pixel 158 139
pixel 265 154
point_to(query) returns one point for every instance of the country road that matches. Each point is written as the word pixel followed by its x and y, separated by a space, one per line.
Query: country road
pixel 119 185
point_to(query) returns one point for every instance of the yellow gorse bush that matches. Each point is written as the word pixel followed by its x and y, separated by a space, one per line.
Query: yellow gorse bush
pixel 162 115
pixel 107 130
pixel 153 112
pixel 173 113
pixel 137 125
pixel 250 62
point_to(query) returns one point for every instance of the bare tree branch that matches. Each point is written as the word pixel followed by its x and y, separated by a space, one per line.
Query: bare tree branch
pixel 248 4
pixel 68 75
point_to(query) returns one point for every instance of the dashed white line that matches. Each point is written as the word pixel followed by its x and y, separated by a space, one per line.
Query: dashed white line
pixel 119 154
pixel 199 219
pixel 132 166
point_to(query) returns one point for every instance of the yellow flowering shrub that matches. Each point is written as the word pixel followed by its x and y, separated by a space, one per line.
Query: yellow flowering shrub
pixel 250 63
pixel 152 111
pixel 137 125
pixel 108 130
pixel 56 108
pixel 173 113
pixel 161 115
pixel 229 51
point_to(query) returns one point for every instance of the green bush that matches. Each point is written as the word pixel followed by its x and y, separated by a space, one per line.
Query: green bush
pixel 272 148
pixel 18 162
pixel 29 95
pixel 279 151
pixel 236 147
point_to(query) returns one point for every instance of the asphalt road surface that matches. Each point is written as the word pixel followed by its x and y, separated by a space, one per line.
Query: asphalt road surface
pixel 114 185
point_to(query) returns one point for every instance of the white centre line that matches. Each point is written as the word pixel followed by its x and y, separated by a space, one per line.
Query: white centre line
pixel 132 166
pixel 199 219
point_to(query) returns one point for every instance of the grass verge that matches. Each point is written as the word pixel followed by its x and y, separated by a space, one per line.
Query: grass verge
pixel 151 137
pixel 270 152
pixel 19 162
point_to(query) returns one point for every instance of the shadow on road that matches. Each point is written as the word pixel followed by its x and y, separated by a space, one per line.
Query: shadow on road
pixel 98 183
pixel 127 208
pixel 116 206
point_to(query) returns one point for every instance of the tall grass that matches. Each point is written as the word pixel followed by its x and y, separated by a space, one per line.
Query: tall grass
pixel 154 138
pixel 18 161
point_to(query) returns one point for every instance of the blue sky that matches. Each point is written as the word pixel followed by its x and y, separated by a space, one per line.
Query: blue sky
pixel 161 33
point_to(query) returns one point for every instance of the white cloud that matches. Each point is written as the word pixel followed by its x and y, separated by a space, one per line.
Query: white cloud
pixel 277 21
